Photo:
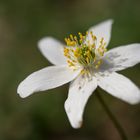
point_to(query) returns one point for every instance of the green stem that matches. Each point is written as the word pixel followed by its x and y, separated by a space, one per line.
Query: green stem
pixel 112 117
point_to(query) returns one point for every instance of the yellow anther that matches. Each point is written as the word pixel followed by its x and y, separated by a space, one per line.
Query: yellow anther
pixel 70 63
pixel 66 50
pixel 93 45
pixel 79 33
pixel 76 40
pixel 91 33
pixel 84 71
pixel 102 39
pixel 74 61
pixel 96 66
pixel 87 60
pixel 99 62
pixel 94 37
pixel 71 36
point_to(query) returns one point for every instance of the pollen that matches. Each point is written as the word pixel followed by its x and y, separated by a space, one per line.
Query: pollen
pixel 82 51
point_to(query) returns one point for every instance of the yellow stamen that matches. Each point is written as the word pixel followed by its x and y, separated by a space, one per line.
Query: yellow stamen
pixel 84 52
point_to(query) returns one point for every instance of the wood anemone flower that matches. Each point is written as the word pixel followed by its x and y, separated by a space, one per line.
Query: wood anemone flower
pixel 85 62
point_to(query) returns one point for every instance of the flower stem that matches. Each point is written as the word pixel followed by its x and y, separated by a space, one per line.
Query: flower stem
pixel 112 117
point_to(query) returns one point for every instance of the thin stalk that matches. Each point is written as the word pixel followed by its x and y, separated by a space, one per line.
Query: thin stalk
pixel 112 117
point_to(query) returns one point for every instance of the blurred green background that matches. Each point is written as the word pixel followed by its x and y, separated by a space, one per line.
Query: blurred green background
pixel 42 116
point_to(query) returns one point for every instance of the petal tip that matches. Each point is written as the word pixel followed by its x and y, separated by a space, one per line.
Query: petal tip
pixel 77 125
pixel 75 121
pixel 42 42
pixel 22 95
pixel 22 91
pixel 110 21
pixel 136 100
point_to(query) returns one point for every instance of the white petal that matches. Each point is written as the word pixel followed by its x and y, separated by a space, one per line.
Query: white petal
pixel 79 92
pixel 45 79
pixel 122 57
pixel 52 50
pixel 120 87
pixel 101 30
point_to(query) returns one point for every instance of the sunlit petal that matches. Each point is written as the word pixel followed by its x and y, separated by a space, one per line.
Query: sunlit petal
pixel 101 30
pixel 45 79
pixel 120 87
pixel 122 57
pixel 79 92
pixel 52 50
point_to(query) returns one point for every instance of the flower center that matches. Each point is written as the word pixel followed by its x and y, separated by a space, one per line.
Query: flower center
pixel 83 51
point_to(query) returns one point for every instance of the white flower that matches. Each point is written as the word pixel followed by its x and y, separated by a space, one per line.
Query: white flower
pixel 86 62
